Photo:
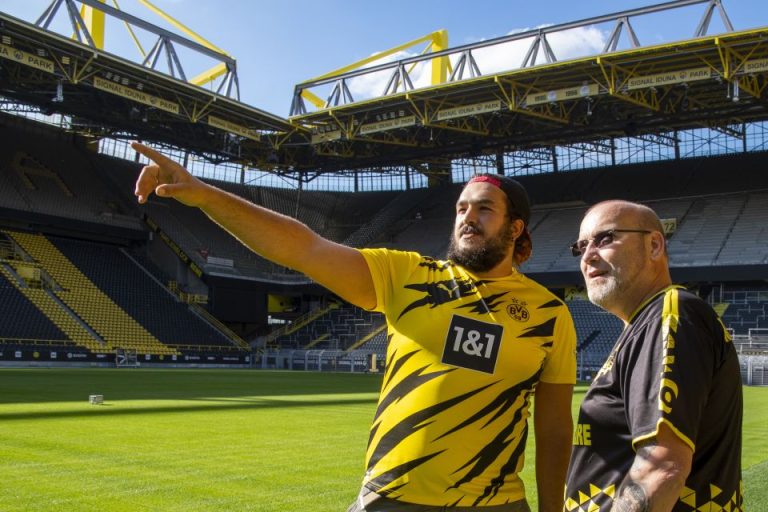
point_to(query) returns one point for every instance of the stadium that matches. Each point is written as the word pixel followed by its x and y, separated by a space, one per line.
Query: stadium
pixel 224 381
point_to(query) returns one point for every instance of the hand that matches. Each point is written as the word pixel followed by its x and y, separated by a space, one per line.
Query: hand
pixel 167 179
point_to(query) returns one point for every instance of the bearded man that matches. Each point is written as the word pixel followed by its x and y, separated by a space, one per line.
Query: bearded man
pixel 471 342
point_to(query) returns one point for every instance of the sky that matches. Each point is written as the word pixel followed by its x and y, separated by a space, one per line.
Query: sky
pixel 280 43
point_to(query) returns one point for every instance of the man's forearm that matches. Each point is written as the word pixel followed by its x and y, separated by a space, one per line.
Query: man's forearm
pixel 551 467
pixel 274 236
pixel 656 478
pixel 554 437
pixel 632 498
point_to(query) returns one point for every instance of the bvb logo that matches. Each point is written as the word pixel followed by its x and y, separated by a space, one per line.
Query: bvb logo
pixel 517 310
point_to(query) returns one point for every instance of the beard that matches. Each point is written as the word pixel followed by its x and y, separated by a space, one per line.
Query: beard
pixel 486 255
pixel 605 293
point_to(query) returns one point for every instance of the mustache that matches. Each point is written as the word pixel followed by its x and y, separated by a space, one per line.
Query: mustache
pixel 470 229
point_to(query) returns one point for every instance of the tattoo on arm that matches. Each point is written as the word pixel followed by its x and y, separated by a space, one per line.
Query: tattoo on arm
pixel 632 498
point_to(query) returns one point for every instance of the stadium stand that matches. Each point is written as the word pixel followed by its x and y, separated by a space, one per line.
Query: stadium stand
pixel 335 215
pixel 333 328
pixel 384 221
pixel 116 327
pixel 58 181
pixel 151 304
pixel 596 332
pixel 746 308
pixel 716 225
pixel 20 318
pixel 745 243
pixel 551 230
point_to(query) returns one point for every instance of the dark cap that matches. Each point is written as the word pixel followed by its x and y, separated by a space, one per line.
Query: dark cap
pixel 518 197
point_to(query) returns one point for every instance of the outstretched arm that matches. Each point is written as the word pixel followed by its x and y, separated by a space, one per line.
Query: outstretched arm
pixel 554 437
pixel 657 475
pixel 274 236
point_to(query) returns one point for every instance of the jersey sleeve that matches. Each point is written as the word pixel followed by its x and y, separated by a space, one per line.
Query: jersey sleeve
pixel 672 372
pixel 388 270
pixel 560 365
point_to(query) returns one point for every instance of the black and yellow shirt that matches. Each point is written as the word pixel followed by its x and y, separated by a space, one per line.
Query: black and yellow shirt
pixel 463 360
pixel 673 364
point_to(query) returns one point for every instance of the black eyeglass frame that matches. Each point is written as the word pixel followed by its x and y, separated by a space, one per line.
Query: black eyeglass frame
pixel 578 251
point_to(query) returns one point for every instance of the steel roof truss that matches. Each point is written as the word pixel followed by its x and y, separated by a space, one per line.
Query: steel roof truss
pixel 539 40
pixel 340 92
pixel 613 39
pixel 399 76
pixel 466 60
pixel 703 27
pixel 517 91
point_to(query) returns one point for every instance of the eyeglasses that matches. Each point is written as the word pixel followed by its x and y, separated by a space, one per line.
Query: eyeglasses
pixel 602 239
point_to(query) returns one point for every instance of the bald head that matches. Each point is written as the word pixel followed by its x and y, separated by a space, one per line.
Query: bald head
pixel 637 215
pixel 624 260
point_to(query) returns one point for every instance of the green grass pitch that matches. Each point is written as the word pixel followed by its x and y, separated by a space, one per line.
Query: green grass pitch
pixel 224 440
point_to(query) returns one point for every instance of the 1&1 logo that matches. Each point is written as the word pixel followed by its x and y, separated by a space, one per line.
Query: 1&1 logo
pixel 472 344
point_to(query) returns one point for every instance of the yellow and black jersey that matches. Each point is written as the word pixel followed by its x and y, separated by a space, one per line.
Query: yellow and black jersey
pixel 673 364
pixel 463 359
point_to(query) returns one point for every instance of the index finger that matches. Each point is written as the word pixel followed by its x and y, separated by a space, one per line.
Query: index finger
pixel 150 153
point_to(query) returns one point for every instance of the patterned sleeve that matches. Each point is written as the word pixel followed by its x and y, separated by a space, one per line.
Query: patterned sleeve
pixel 560 366
pixel 669 375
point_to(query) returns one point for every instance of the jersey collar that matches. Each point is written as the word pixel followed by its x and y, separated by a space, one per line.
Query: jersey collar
pixel 651 299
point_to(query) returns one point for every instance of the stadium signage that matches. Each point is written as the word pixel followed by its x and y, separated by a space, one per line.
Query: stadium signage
pixel 669 225
pixel 670 78
pixel 468 110
pixel 569 93
pixel 235 128
pixel 28 59
pixel 135 95
pixel 755 66
pixel 389 124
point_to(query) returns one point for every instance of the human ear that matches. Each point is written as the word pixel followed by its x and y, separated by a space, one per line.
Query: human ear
pixel 658 245
pixel 517 227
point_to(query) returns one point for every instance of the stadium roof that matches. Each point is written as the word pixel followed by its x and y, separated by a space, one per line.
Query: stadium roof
pixel 708 81
pixel 110 96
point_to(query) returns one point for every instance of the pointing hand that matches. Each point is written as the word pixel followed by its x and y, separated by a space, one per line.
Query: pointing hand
pixel 167 179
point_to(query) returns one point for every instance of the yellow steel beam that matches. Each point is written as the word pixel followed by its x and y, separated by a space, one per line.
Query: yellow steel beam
pixel 327 149
pixel 466 128
pixel 206 76
pixel 615 81
pixel 635 57
pixel 440 64
pixel 734 61
pixel 130 31
pixel 313 98
pixel 391 141
pixel 182 27
pixel 752 85
pixel 517 91
pixel 209 75
pixel 438 40
pixel 94 23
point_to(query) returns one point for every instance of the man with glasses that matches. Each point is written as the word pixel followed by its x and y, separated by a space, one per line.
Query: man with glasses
pixel 660 427
pixel 471 342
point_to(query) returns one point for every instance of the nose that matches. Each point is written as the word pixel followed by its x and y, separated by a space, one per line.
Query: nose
pixel 470 215
pixel 590 253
